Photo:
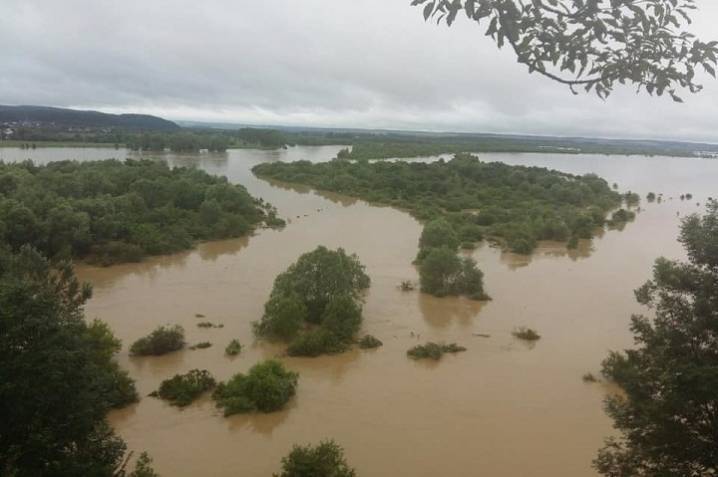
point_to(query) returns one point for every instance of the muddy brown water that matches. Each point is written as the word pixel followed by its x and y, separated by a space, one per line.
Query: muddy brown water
pixel 503 408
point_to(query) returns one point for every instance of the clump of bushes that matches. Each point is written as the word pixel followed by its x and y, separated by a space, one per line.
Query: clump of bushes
pixel 233 348
pixel 316 303
pixel 433 350
pixel 201 345
pixel 267 387
pixel 651 197
pixel 163 340
pixel 369 342
pixel 325 460
pixel 526 334
pixel 444 273
pixel 182 389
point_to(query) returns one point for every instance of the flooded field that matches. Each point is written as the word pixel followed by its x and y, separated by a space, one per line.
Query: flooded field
pixel 503 408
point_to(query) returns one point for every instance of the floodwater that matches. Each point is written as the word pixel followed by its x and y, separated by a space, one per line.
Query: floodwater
pixel 503 408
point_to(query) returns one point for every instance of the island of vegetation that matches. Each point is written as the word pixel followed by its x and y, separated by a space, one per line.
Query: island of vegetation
pixel 463 201
pixel 267 387
pixel 163 340
pixel 433 350
pixel 183 389
pixel 316 304
pixel 108 212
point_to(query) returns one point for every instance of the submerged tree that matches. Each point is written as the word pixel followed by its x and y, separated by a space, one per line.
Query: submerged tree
pixel 58 375
pixel 322 291
pixel 594 44
pixel 668 409
pixel 324 460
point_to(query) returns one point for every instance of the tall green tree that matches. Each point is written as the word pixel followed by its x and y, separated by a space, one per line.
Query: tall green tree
pixel 667 412
pixel 594 44
pixel 58 378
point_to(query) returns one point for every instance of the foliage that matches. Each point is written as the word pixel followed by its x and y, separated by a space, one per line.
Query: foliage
pixel 526 334
pixel 178 141
pixel 143 467
pixel 621 216
pixel 594 44
pixel 666 411
pixel 322 289
pixel 516 205
pixel 267 387
pixel 370 342
pixel 233 348
pixel 110 211
pixel 433 350
pixel 651 197
pixel 163 340
pixel 316 342
pixel 59 377
pixel 324 460
pixel 182 389
pixel 443 273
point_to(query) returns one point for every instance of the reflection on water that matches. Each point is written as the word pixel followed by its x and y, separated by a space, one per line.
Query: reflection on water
pixel 472 413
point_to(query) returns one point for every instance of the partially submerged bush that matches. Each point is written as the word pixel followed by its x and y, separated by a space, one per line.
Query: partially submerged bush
pixel 233 348
pixel 325 460
pixel 316 342
pixel 433 350
pixel 527 334
pixel 182 389
pixel 407 285
pixel 443 273
pixel 589 378
pixel 267 387
pixel 369 342
pixel 209 324
pixel 162 340
pixel 322 291
pixel 201 345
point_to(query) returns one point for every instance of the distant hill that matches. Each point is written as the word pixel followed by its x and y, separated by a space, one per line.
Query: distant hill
pixel 63 118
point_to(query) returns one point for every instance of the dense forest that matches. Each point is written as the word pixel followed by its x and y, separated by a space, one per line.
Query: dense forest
pixel 110 211
pixel 515 205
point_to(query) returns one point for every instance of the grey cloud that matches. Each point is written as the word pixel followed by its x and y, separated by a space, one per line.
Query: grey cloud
pixel 368 63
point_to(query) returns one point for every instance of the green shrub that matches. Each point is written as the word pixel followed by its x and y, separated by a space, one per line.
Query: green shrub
pixel 208 324
pixel 233 348
pixel 622 216
pixel 316 342
pixel 527 334
pixel 433 350
pixel 369 342
pixel 322 290
pixel 443 273
pixel 161 341
pixel 182 389
pixel 325 460
pixel 267 387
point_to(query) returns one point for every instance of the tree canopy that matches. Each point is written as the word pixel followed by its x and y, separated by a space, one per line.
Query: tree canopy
pixel 515 205
pixel 316 303
pixel 59 377
pixel 667 412
pixel 324 460
pixel 112 211
pixel 594 44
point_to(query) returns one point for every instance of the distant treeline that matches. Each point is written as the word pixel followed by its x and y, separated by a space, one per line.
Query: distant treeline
pixel 111 211
pixel 360 144
pixel 516 205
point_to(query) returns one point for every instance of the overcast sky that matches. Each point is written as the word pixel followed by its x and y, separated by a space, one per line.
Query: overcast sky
pixel 333 63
